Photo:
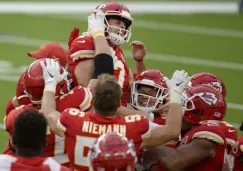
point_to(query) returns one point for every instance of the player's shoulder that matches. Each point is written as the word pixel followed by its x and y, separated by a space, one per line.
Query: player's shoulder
pixel 229 131
pixel 210 132
pixel 73 112
pixel 135 119
pixel 82 47
pixel 6 161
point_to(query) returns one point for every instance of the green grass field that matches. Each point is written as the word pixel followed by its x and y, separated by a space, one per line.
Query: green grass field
pixel 201 36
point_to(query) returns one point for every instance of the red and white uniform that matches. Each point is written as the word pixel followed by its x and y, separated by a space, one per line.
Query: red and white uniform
pixel 79 98
pixel 234 164
pixel 81 130
pixel 82 48
pixel 15 163
pixel 230 134
pixel 214 134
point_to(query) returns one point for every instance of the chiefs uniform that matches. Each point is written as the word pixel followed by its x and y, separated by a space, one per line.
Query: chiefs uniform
pixel 234 163
pixel 211 133
pixel 82 48
pixel 230 134
pixel 77 98
pixel 81 130
pixel 15 163
pixel 160 120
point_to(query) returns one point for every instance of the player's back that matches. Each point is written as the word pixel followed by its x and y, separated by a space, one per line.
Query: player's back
pixel 10 163
pixel 213 134
pixel 81 130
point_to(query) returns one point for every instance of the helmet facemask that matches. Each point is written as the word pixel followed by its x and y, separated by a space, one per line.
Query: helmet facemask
pixel 122 35
pixel 148 103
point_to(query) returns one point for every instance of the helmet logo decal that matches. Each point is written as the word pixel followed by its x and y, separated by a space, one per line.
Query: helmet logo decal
pixel 217 86
pixel 208 98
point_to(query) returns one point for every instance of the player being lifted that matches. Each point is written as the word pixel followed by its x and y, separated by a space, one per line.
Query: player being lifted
pixel 115 25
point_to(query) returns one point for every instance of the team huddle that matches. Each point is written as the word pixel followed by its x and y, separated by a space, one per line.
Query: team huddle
pixel 85 110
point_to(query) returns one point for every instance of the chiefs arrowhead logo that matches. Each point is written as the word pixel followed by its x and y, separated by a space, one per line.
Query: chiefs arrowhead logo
pixel 208 98
pixel 217 86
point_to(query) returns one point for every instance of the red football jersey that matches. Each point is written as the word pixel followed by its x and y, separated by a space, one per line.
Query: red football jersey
pixel 160 120
pixel 78 97
pixel 83 48
pixel 234 164
pixel 230 134
pixel 212 133
pixel 11 163
pixel 81 130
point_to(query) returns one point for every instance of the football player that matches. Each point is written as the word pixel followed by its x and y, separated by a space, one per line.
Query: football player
pixel 148 92
pixel 112 151
pixel 116 27
pixel 48 50
pixel 82 128
pixel 203 143
pixel 33 83
pixel 207 78
pixel 29 139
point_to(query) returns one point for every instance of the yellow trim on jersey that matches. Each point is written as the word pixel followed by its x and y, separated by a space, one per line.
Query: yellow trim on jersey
pixel 83 54
pixel 146 135
pixel 87 100
pixel 60 126
pixel 230 142
pixel 210 136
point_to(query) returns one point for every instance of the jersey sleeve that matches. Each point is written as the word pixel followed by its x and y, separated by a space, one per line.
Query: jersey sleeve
pixel 139 126
pixel 82 48
pixel 69 120
pixel 79 98
pixel 210 132
pixel 229 131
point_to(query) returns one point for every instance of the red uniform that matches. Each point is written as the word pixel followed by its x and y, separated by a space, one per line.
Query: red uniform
pixel 83 48
pixel 214 134
pixel 230 134
pixel 79 98
pixel 81 130
pixel 234 164
pixel 10 163
pixel 160 120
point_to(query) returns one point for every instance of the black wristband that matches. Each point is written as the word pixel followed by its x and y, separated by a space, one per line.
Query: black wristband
pixel 103 64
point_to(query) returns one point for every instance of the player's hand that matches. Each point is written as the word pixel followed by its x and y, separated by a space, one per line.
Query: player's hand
pixel 179 81
pixel 96 24
pixel 73 35
pixel 138 50
pixel 51 71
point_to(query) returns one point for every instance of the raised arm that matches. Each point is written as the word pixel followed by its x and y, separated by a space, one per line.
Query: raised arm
pixel 171 130
pixel 51 75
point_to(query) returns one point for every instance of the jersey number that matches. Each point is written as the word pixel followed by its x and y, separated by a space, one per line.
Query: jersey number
pixel 82 146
